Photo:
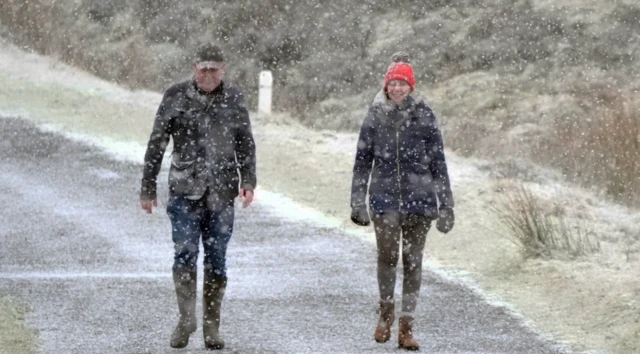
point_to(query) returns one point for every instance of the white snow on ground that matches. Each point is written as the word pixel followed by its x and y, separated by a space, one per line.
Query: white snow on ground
pixel 127 151
pixel 76 275
pixel 104 174
pixel 46 71
pixel 67 207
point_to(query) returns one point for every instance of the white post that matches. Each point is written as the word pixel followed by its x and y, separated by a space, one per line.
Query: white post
pixel 264 93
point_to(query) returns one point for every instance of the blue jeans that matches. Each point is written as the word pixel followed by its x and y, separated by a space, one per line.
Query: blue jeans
pixel 192 220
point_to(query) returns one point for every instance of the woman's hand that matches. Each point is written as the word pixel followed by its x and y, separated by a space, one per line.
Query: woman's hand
pixel 360 216
pixel 446 219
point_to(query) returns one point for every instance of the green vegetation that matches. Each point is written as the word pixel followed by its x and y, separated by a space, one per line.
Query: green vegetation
pixel 14 336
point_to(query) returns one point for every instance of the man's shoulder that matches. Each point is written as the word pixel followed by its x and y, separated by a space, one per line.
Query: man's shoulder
pixel 179 88
pixel 234 95
pixel 231 90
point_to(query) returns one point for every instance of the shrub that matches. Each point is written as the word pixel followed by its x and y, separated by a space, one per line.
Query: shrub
pixel 539 233
pixel 600 146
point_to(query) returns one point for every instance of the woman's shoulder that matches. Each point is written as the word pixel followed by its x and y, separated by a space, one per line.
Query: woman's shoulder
pixel 422 110
pixel 420 102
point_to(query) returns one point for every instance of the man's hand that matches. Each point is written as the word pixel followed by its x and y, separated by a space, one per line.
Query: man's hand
pixel 246 196
pixel 148 204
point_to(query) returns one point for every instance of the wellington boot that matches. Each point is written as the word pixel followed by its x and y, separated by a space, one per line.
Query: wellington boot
pixel 185 283
pixel 213 293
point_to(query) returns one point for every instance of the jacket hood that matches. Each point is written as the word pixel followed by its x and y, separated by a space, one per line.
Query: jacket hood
pixel 387 105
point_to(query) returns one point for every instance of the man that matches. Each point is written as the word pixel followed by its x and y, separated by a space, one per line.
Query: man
pixel 212 141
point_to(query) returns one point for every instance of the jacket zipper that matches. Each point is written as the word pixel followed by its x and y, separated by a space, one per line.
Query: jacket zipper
pixel 398 164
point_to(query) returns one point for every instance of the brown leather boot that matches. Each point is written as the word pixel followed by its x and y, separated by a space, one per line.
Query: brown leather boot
pixel 405 334
pixel 186 284
pixel 383 329
pixel 213 292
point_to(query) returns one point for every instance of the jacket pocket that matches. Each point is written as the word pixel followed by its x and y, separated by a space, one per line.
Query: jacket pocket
pixel 182 176
pixel 419 175
pixel 182 165
pixel 421 168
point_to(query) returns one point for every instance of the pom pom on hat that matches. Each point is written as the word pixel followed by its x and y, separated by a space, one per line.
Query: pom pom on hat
pixel 401 57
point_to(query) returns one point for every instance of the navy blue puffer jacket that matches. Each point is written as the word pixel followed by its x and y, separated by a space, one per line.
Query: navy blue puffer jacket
pixel 400 148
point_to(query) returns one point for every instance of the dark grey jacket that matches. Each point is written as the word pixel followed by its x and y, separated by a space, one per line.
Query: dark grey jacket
pixel 212 144
pixel 400 148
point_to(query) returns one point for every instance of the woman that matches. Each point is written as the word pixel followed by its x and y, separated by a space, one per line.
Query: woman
pixel 401 150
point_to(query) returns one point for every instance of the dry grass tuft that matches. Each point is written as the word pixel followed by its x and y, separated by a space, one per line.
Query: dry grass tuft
pixel 539 233
pixel 600 147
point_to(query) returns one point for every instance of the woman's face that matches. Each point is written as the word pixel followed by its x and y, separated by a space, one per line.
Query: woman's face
pixel 398 90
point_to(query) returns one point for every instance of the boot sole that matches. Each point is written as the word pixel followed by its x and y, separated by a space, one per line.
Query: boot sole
pixel 214 347
pixel 179 346
pixel 384 337
pixel 412 349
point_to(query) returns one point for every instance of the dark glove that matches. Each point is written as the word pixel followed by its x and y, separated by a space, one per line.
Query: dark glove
pixel 360 216
pixel 446 219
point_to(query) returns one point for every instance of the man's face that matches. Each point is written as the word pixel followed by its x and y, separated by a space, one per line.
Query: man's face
pixel 208 79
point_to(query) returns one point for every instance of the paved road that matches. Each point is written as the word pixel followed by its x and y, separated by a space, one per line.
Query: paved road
pixel 95 270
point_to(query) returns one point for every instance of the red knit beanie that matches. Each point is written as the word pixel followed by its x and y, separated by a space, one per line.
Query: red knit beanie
pixel 400 71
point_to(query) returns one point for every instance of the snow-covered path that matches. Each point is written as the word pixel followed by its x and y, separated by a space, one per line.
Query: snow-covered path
pixel 95 270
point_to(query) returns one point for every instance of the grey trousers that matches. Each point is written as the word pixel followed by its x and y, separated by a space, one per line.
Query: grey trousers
pixel 390 228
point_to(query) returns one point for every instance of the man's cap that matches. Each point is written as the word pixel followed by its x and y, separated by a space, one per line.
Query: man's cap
pixel 209 56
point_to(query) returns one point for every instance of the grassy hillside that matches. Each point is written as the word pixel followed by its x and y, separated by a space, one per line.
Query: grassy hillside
pixel 14 336
pixel 553 82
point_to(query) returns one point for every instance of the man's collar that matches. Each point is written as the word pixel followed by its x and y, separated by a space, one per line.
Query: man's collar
pixel 194 90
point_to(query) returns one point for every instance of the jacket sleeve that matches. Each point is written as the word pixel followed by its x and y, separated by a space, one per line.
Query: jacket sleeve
pixel 438 164
pixel 156 147
pixel 245 146
pixel 363 161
